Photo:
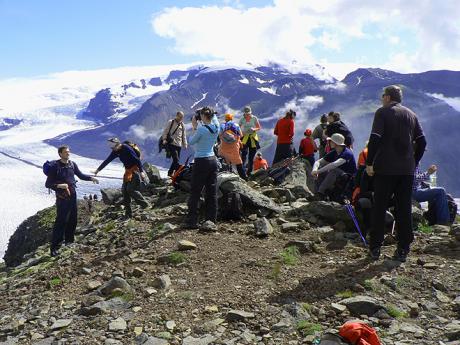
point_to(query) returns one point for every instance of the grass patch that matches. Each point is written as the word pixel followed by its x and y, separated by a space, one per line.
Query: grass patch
pixel 307 307
pixel 55 281
pixel 109 227
pixel 131 223
pixel 345 294
pixel 423 227
pixel 402 282
pixel 369 285
pixel 276 271
pixel 47 217
pixel 125 296
pixel 176 258
pixel 156 230
pixel 395 312
pixel 186 295
pixel 290 256
pixel 308 328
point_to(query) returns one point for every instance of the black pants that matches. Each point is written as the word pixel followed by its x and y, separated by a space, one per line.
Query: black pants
pixel 130 190
pixel 66 221
pixel 244 154
pixel 204 174
pixel 241 171
pixel 174 151
pixel 384 187
pixel 282 152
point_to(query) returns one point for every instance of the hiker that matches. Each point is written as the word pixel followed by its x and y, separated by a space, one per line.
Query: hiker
pixel 204 172
pixel 335 125
pixel 307 147
pixel 230 143
pixel 174 139
pixel 259 162
pixel 284 130
pixel 396 146
pixel 132 176
pixel 249 125
pixel 436 196
pixel 318 134
pixel 338 162
pixel 61 179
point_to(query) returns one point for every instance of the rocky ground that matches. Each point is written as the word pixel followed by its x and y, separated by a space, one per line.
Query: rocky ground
pixel 288 272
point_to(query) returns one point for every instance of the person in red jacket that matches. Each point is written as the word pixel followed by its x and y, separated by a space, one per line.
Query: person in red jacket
pixel 284 130
pixel 307 147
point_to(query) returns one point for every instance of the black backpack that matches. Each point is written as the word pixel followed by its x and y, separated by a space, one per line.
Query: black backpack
pixel 231 207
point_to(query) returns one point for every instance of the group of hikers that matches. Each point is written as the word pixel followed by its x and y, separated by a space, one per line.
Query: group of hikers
pixel 386 173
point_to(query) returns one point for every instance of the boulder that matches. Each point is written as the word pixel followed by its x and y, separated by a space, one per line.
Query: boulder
pixel 204 340
pixel 280 194
pixel 299 175
pixel 362 305
pixel 115 283
pixel 119 324
pixel 184 245
pixel 303 246
pixel 162 282
pixel 110 196
pixel 262 227
pixel 153 173
pixel 61 323
pixel 239 315
pixel 330 212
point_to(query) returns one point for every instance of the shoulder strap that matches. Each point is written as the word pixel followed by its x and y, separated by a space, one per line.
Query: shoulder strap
pixel 209 129
pixel 170 127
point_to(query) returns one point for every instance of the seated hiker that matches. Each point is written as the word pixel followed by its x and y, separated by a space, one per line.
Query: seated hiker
pixel 230 144
pixel 434 195
pixel 332 166
pixel 336 125
pixel 61 179
pixel 174 139
pixel 259 162
pixel 307 147
pixel 133 166
pixel 284 130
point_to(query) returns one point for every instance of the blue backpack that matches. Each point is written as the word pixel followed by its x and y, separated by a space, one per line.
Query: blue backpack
pixel 47 167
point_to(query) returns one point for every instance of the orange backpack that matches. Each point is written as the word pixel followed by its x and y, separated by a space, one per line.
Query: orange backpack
pixel 358 333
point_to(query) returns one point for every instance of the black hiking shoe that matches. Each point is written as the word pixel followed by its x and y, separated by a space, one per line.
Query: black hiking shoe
pixel 400 255
pixel 54 252
pixel 374 253
pixel 190 226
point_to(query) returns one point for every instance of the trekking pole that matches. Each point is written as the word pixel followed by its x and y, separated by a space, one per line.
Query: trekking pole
pixel 355 221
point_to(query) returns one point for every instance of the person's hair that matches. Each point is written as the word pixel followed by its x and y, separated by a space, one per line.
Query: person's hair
pixel 323 118
pixel 62 148
pixel 291 113
pixel 334 115
pixel 208 112
pixel 180 113
pixel 394 92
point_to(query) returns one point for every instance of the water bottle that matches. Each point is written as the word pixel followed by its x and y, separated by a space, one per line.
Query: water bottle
pixel 433 180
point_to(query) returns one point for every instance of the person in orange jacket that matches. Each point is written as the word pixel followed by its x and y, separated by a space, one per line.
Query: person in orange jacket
pixel 260 163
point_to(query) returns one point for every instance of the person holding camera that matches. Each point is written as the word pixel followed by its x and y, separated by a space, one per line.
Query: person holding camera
pixel 205 128
pixel 174 139
pixel 284 130
pixel 249 125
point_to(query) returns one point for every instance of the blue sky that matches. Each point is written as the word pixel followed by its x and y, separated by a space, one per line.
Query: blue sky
pixel 38 37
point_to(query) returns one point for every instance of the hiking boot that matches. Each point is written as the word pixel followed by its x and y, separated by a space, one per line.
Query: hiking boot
pixel 54 252
pixel 400 255
pixel 374 253
pixel 190 226
pixel 126 216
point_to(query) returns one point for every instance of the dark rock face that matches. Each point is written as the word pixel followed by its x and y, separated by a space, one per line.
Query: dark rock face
pixel 101 107
pixel 356 98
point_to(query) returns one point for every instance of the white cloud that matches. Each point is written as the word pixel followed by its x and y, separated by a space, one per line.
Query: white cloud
pixel 454 102
pixel 289 30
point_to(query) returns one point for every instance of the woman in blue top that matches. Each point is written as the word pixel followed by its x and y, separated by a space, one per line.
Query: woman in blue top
pixel 204 173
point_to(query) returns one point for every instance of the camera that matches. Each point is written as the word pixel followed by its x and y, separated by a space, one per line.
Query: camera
pixel 203 111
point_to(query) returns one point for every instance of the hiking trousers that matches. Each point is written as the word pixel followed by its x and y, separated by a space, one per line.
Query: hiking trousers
pixel 174 151
pixel 282 152
pixel 204 175
pixel 328 182
pixel 66 221
pixel 130 189
pixel 384 187
pixel 438 197
pixel 249 153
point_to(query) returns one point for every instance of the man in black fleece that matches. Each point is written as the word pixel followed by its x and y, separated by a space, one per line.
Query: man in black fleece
pixel 133 167
pixel 61 179
pixel 396 146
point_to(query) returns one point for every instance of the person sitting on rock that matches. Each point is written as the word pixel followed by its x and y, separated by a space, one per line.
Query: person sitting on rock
pixel 434 195
pixel 230 144
pixel 133 166
pixel 260 162
pixel 284 130
pixel 307 147
pixel 338 162
pixel 61 179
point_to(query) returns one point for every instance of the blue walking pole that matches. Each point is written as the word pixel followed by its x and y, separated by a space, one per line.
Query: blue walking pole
pixel 355 221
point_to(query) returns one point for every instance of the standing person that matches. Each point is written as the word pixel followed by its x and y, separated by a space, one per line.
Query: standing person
pixel 61 179
pixel 307 147
pixel 284 130
pixel 174 138
pixel 434 195
pixel 260 162
pixel 204 172
pixel 318 134
pixel 396 145
pixel 133 166
pixel 249 125
pixel 230 143
pixel 336 125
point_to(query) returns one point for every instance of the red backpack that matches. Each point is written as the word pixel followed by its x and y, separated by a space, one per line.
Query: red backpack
pixel 358 333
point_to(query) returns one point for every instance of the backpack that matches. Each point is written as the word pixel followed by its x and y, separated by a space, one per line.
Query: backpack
pixel 182 177
pixel 134 146
pixel 47 167
pixel 228 135
pixel 332 339
pixel 359 333
pixel 231 207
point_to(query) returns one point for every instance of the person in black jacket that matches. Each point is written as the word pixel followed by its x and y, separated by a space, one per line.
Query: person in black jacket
pixel 335 125
pixel 133 168
pixel 61 179
pixel 396 146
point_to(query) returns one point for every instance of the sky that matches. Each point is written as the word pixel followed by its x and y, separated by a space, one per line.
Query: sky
pixel 39 38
